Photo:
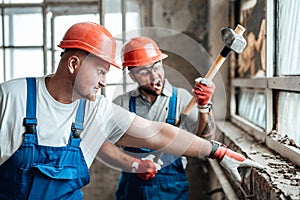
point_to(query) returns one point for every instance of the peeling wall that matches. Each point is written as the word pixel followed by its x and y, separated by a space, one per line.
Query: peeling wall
pixel 189 17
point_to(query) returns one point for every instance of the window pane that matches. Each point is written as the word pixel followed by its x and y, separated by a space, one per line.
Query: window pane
pixel 49 62
pixel 115 75
pixel 1 40
pixel 1 66
pixel 288 58
pixel 252 106
pixel 62 23
pixel 113 23
pixel 118 57
pixel 251 62
pixel 119 81
pixel 113 17
pixel 289 115
pixel 23 63
pixel 133 21
pixel 112 91
pixel 24 26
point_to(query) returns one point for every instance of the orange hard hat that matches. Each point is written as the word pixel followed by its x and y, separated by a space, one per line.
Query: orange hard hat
pixel 141 51
pixel 93 38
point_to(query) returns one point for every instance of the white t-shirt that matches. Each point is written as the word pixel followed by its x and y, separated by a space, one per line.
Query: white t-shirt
pixel 103 120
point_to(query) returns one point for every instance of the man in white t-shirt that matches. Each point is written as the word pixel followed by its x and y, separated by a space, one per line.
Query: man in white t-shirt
pixel 53 126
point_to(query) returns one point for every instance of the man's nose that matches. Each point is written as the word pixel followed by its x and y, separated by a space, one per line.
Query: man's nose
pixel 102 82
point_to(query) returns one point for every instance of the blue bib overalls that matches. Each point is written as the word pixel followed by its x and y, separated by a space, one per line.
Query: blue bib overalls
pixel 169 183
pixel 44 172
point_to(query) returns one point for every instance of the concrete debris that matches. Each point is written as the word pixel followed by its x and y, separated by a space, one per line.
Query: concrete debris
pixel 288 176
pixel 253 152
pixel 284 139
pixel 266 155
pixel 277 164
pixel 295 183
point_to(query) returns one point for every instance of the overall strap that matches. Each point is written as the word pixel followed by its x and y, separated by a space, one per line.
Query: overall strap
pixel 132 104
pixel 132 108
pixel 77 126
pixel 30 121
pixel 172 107
pixel 171 119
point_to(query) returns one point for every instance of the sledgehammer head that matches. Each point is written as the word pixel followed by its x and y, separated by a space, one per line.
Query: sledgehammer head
pixel 232 40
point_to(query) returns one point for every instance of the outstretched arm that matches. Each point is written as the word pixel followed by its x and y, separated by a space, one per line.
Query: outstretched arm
pixel 170 139
pixel 164 137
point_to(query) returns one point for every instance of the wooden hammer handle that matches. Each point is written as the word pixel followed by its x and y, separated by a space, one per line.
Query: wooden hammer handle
pixel 210 75
pixel 213 70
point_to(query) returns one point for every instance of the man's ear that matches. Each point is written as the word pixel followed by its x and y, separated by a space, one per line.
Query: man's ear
pixel 73 63
pixel 132 77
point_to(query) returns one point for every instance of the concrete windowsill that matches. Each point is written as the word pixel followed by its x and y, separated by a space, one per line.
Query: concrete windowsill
pixel 279 180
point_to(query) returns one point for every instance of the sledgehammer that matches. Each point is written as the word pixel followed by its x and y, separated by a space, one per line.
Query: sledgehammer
pixel 234 41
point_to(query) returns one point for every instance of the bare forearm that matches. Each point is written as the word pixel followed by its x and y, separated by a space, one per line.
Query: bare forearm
pixel 115 157
pixel 184 143
pixel 207 126
pixel 164 137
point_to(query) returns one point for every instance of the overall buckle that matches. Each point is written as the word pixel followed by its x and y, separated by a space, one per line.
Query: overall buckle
pixel 76 129
pixel 30 125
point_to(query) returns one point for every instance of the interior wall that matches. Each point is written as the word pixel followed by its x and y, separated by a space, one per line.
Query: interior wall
pixel 186 42
pixel 218 18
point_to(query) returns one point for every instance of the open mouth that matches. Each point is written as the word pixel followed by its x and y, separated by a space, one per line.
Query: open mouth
pixel 157 84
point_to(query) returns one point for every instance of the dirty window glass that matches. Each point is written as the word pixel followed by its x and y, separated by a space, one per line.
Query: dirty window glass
pixel 252 106
pixel 289 116
pixel 289 52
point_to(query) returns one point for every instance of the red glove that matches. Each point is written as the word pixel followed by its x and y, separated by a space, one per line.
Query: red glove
pixel 203 91
pixel 231 160
pixel 144 169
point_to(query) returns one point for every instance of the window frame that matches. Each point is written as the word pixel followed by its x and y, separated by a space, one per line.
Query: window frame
pixel 48 47
pixel 271 84
pixel 126 83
